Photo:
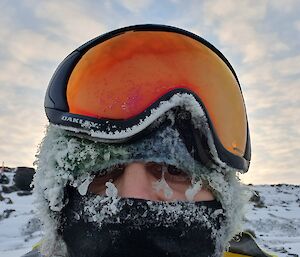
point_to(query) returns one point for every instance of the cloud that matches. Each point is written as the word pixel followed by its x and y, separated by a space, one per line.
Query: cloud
pixel 17 147
pixel 275 176
pixel 28 56
pixel 5 20
pixel 233 10
pixel 274 131
pixel 288 66
pixel 69 21
pixel 297 25
pixel 136 6
pixel 285 6
pixel 240 27
pixel 29 46
pixel 22 124
pixel 25 74
pixel 275 148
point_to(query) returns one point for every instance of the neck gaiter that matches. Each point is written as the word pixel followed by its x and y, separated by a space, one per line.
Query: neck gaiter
pixel 101 226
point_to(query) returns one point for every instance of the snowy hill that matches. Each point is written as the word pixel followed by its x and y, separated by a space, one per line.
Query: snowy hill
pixel 273 215
pixel 275 218
pixel 19 229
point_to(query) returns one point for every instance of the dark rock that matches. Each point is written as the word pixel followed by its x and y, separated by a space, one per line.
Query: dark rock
pixel 7 169
pixel 6 213
pixel 9 189
pixel 23 193
pixel 280 249
pixel 23 178
pixel 4 179
pixel 7 200
pixel 256 199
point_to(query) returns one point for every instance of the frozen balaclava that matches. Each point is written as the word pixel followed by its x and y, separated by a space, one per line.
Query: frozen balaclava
pixel 80 223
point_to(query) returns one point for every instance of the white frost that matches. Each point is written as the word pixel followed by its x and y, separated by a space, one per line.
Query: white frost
pixel 111 190
pixel 106 156
pixel 162 184
pixel 191 192
pixel 82 189
pixel 180 99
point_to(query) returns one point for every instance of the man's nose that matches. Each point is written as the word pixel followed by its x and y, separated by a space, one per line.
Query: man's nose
pixel 136 182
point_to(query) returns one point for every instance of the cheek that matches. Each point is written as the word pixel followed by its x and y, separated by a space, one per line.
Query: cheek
pixel 182 192
pixel 204 195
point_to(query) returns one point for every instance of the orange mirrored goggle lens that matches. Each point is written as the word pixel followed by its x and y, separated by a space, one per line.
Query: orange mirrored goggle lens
pixel 121 77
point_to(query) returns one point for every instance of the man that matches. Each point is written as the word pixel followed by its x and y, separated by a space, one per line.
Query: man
pixel 147 133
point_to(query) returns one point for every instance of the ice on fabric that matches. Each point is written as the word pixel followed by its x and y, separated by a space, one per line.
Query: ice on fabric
pixel 113 209
pixel 83 187
pixel 162 185
pixel 193 190
pixel 164 146
pixel 129 219
pixel 108 204
pixel 111 190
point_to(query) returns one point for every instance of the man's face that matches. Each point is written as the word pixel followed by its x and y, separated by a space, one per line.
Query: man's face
pixel 143 209
pixel 151 181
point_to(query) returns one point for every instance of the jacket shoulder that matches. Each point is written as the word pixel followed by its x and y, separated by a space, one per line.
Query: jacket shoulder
pixel 33 253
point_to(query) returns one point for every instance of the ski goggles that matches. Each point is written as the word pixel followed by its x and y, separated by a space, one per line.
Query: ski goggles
pixel 115 86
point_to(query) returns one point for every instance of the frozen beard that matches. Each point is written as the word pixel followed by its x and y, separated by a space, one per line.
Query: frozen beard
pixel 99 226
pixel 70 162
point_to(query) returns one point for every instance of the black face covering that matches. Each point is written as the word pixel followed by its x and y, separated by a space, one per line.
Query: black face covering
pixel 98 226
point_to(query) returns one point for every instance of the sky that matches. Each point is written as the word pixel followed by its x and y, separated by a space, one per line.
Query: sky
pixel 261 39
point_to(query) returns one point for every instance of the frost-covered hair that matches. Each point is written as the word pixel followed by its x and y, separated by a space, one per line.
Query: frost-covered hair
pixel 64 159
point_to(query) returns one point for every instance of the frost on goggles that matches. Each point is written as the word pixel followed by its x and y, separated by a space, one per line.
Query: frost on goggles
pixel 121 77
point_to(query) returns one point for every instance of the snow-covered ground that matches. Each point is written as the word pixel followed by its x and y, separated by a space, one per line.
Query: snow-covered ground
pixel 274 216
pixel 19 228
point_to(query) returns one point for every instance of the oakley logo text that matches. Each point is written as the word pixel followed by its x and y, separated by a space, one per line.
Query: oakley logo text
pixel 83 123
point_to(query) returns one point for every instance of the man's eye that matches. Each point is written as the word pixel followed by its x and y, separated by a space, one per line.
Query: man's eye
pixel 175 175
pixel 154 168
pixel 117 169
pixel 175 171
pixel 168 170
pixel 110 172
